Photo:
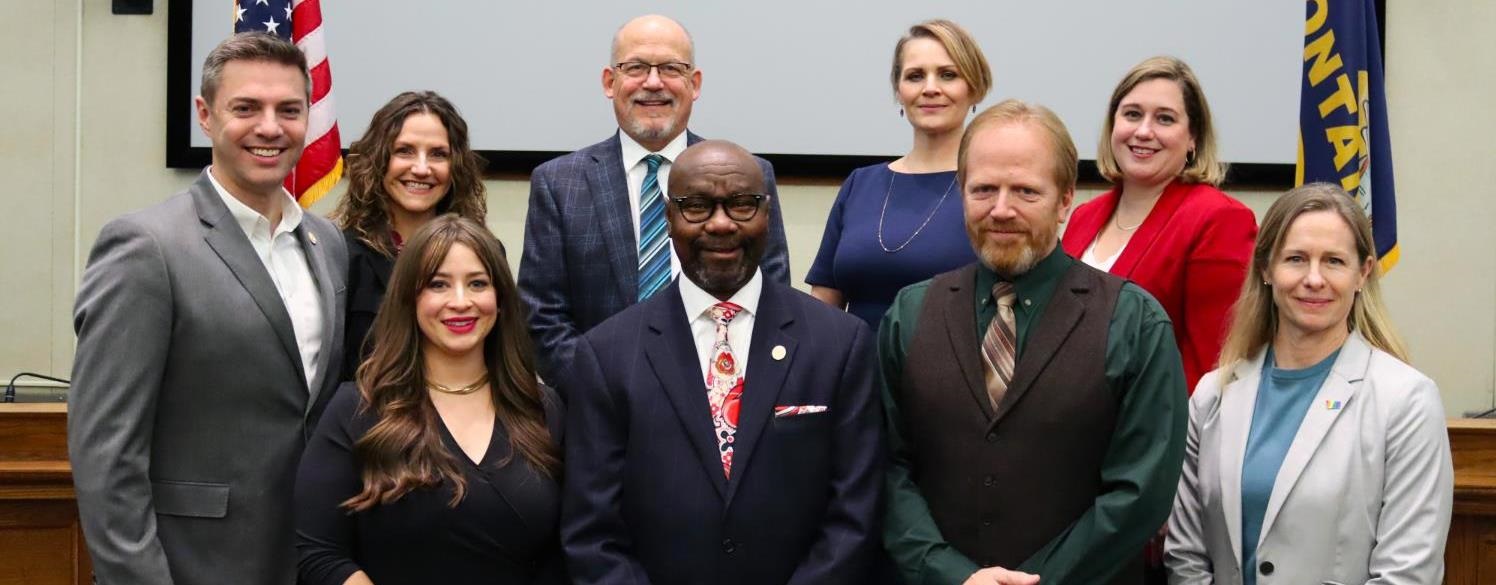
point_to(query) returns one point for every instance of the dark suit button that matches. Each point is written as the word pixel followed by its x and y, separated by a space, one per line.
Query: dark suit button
pixel 989 481
pixel 986 521
pixel 991 437
pixel 728 546
pixel 1266 568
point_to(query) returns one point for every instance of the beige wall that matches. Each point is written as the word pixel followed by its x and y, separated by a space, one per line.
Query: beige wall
pixel 83 142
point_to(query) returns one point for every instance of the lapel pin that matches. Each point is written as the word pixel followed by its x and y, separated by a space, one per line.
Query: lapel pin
pixel 778 353
pixel 1332 405
pixel 313 237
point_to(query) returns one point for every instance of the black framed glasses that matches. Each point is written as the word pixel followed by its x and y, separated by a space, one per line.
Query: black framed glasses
pixel 739 207
pixel 668 70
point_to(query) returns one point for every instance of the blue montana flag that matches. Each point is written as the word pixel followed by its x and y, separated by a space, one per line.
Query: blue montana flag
pixel 1343 113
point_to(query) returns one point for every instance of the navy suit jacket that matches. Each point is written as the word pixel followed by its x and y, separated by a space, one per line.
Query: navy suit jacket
pixel 645 499
pixel 581 258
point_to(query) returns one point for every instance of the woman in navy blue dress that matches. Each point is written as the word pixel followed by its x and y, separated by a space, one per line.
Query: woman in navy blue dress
pixel 899 223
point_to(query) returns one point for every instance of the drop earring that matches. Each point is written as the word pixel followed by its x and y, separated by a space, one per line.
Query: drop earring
pixel 973 108
pixel 901 112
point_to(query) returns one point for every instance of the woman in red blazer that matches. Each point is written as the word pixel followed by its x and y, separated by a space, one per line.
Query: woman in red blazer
pixel 1164 224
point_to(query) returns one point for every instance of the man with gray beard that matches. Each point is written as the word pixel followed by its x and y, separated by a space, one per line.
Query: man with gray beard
pixel 595 232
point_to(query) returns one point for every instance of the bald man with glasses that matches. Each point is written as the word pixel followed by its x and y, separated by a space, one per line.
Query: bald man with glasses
pixel 595 239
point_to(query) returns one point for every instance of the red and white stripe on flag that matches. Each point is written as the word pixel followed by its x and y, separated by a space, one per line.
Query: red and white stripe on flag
pixel 322 162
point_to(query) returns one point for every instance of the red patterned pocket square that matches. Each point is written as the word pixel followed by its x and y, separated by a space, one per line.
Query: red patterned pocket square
pixel 787 410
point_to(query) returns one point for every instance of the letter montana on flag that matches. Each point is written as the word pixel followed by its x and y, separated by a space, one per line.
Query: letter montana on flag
pixel 1343 113
pixel 300 21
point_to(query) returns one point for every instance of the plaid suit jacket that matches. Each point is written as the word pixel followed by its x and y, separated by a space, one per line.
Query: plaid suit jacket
pixel 581 258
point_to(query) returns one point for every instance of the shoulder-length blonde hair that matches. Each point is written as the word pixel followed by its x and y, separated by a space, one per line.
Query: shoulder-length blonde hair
pixel 365 208
pixel 1254 321
pixel 403 450
pixel 964 51
pixel 1205 165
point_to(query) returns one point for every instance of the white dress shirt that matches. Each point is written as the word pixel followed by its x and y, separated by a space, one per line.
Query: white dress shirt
pixel 698 305
pixel 284 259
pixel 635 168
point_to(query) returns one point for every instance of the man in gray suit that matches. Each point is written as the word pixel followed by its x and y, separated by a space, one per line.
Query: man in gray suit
pixel 595 240
pixel 209 335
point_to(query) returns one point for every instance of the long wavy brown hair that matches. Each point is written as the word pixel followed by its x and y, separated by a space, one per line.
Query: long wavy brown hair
pixel 403 450
pixel 365 208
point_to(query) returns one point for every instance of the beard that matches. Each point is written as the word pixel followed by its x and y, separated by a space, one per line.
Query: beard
pixel 717 277
pixel 1017 258
pixel 646 129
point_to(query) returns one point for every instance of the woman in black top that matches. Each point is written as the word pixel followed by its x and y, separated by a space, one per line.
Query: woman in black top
pixel 441 464
pixel 413 164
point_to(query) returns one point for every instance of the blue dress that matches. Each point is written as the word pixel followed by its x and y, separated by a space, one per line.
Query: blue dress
pixel 851 259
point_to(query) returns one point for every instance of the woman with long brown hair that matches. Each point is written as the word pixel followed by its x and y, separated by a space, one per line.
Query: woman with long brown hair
pixel 412 164
pixel 442 462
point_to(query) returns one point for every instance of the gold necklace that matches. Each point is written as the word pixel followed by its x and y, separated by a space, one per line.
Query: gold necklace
pixel 468 389
pixel 1117 221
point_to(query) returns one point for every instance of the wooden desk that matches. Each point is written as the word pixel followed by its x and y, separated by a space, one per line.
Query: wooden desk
pixel 39 531
pixel 43 543
pixel 1471 556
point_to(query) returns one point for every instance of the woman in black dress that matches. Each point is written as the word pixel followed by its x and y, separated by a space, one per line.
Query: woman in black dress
pixel 412 164
pixel 441 463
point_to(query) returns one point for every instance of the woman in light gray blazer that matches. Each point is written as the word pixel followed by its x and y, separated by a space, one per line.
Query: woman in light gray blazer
pixel 1315 453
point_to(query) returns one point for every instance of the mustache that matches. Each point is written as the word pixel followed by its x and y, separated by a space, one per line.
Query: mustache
pixel 719 244
pixel 647 95
pixel 992 225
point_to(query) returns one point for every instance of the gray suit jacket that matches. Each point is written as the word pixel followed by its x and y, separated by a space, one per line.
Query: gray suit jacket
pixel 189 406
pixel 1364 494
pixel 581 258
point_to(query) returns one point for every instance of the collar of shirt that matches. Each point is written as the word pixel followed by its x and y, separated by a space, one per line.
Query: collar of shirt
pixel 251 221
pixel 1033 290
pixel 704 330
pixel 698 301
pixel 634 153
pixel 1033 287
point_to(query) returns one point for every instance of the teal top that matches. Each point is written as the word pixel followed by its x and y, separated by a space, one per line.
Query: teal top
pixel 1283 398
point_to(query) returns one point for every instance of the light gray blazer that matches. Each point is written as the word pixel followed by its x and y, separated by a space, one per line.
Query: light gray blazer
pixel 189 407
pixel 1364 494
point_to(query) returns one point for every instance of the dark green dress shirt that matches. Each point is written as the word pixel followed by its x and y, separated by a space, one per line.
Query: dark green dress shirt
pixel 1147 448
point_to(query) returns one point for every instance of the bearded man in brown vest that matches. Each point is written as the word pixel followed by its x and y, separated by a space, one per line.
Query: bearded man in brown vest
pixel 1036 406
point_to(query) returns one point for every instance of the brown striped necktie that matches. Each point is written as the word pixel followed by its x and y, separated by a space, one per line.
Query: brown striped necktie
pixel 1000 344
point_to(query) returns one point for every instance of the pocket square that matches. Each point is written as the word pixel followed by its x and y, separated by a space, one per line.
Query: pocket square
pixel 787 410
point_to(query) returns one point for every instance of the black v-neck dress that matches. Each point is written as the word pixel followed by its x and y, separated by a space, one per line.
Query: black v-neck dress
pixel 504 531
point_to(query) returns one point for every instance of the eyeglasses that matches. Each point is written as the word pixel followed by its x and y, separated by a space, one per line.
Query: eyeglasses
pixel 640 69
pixel 740 207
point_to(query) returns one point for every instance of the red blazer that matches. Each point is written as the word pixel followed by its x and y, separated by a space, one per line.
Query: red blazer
pixel 1191 253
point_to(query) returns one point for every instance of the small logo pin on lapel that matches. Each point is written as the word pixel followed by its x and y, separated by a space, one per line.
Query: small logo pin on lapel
pixel 313 237
pixel 778 352
pixel 1332 405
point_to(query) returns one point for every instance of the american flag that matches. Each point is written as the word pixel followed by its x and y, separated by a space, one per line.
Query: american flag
pixel 300 21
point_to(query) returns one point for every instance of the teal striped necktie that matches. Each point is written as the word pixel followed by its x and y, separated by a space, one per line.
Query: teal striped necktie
pixel 654 255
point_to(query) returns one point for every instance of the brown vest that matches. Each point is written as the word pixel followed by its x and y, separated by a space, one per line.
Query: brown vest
pixel 1002 486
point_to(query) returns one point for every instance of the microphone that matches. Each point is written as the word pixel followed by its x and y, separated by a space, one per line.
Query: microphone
pixel 10 388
